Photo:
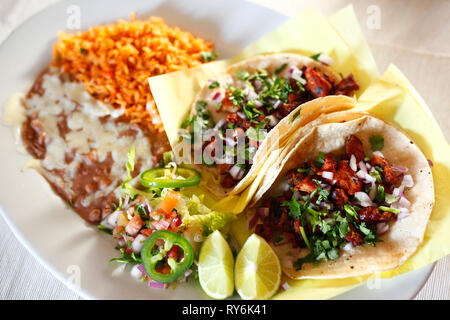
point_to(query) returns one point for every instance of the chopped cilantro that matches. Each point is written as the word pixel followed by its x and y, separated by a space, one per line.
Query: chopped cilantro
pixel 320 159
pixel 376 142
pixel 208 56
pixel 316 56
pixel 242 74
pixel 280 69
pixel 296 114
pixel 214 84
pixel 104 229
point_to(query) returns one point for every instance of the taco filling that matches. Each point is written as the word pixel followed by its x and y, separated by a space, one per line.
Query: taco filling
pixel 335 202
pixel 251 104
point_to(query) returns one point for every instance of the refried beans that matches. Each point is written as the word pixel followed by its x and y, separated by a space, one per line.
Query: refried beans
pixel 82 143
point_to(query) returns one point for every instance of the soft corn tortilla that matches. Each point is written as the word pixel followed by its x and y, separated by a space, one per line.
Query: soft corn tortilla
pixel 277 137
pixel 404 236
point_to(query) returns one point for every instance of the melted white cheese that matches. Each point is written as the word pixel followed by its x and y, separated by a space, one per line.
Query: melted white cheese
pixel 87 131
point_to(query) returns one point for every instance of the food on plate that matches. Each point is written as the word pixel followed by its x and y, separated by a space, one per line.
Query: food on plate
pixel 93 102
pixel 352 197
pixel 159 230
pixel 257 270
pixel 216 267
pixel 242 107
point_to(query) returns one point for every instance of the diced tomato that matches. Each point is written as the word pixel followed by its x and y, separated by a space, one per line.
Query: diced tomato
pixel 173 252
pixel 164 269
pixel 134 225
pixel 146 232
pixel 170 201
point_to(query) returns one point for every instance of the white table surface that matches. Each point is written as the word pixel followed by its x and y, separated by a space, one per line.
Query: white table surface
pixel 413 35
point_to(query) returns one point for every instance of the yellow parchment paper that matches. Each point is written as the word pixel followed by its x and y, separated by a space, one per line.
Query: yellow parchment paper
pixel 390 97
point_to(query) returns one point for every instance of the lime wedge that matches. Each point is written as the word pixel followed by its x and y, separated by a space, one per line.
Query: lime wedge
pixel 257 270
pixel 215 267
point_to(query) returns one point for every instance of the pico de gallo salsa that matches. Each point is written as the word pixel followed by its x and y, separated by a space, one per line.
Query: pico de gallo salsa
pixel 157 228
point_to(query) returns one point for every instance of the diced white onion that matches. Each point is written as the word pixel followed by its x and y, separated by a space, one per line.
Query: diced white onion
pixel 236 172
pixel 364 199
pixel 353 163
pixel 276 104
pixel 325 59
pixel 285 286
pixel 135 272
pixel 258 103
pixel 327 175
pixel 382 227
pixel 362 166
pixel 273 121
pixel 404 213
pixel 111 220
pixel 378 153
pixel 373 191
pixel 407 181
pixel 348 247
pixel 138 243
pixel 198 237
pixel 365 176
pixel 404 203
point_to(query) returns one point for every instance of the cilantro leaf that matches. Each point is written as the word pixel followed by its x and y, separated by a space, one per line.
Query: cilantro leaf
pixel 208 56
pixel 376 142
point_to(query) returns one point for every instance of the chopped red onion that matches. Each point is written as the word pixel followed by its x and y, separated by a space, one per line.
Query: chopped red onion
pixel 353 163
pixel 382 227
pixel 327 175
pixel 430 163
pixel 148 206
pixel 217 95
pixel 253 221
pixel 363 199
pixel 154 284
pixel 399 169
pixel 236 172
pixel 262 212
pixel 142 269
pixel 125 201
pixel 161 225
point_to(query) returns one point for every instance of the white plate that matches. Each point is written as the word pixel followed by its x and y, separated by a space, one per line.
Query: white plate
pixel 74 252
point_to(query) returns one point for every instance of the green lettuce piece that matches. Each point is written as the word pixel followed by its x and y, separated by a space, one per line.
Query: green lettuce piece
pixel 201 217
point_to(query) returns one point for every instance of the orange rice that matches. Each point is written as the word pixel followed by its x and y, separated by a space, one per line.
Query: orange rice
pixel 114 62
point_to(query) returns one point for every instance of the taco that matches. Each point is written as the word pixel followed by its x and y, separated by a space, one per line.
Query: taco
pixel 249 106
pixel 351 197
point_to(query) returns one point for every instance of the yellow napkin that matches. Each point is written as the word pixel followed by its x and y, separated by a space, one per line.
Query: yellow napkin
pixel 391 98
